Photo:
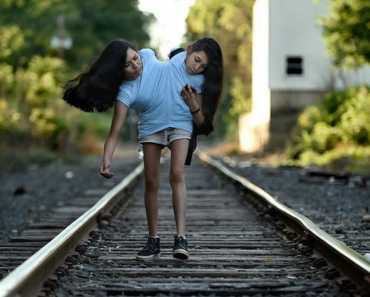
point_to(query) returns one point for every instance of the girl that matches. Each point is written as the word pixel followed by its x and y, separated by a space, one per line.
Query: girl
pixel 153 89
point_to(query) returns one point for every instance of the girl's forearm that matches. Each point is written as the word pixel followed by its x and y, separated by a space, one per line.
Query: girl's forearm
pixel 204 126
pixel 198 117
pixel 196 111
pixel 110 146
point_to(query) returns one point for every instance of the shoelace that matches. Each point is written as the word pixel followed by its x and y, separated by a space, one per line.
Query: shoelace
pixel 150 245
pixel 181 241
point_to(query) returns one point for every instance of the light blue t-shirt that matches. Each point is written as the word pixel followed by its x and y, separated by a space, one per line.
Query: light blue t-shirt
pixel 156 94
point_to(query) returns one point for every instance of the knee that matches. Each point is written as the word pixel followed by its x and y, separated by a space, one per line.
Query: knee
pixel 177 176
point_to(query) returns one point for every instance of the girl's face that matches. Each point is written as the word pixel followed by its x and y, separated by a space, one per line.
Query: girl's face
pixel 196 62
pixel 133 65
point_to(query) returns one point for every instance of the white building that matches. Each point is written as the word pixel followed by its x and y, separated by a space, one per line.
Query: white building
pixel 290 66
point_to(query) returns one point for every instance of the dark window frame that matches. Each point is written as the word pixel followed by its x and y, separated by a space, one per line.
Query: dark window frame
pixel 294 65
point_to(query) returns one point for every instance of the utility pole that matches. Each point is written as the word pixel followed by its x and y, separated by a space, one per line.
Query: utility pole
pixel 61 41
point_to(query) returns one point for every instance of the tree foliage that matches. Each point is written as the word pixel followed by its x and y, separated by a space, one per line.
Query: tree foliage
pixel 337 127
pixel 32 73
pixel 347 32
pixel 28 99
pixel 26 27
pixel 230 23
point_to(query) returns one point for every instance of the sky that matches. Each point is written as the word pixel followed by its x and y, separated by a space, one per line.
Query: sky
pixel 167 31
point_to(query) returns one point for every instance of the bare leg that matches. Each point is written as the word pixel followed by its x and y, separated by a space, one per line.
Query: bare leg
pixel 179 150
pixel 152 153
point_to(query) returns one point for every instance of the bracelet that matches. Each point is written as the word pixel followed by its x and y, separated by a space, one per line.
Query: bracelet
pixel 195 111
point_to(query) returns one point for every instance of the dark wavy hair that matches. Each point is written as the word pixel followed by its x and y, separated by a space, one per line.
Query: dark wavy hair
pixel 213 80
pixel 97 88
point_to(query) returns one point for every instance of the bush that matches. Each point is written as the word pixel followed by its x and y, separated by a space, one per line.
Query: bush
pixel 9 117
pixel 339 127
pixel 32 111
pixel 30 104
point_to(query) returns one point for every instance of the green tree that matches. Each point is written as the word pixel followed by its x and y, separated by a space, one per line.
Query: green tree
pixel 229 22
pixel 26 27
pixel 347 32
pixel 93 24
pixel 32 74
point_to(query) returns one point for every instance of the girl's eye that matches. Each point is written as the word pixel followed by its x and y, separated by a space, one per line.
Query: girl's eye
pixel 128 64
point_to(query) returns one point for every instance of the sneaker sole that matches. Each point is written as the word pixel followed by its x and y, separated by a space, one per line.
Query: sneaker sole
pixel 181 254
pixel 148 258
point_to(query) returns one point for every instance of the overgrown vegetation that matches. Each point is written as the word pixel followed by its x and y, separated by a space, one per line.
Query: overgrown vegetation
pixel 32 73
pixel 338 130
pixel 347 32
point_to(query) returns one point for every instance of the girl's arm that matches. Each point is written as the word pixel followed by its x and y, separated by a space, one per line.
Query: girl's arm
pixel 194 101
pixel 119 116
pixel 203 119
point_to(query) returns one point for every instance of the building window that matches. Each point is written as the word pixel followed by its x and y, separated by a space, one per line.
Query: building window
pixel 294 65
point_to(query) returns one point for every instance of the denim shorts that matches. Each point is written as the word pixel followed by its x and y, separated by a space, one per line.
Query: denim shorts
pixel 166 137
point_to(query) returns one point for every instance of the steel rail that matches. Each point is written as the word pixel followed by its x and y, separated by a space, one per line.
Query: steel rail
pixel 27 278
pixel 347 260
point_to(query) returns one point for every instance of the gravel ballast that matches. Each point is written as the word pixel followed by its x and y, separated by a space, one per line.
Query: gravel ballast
pixel 28 194
pixel 338 204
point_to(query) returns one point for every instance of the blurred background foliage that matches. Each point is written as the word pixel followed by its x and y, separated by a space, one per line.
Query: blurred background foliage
pixel 347 32
pixel 32 72
pixel 229 22
pixel 26 28
pixel 337 131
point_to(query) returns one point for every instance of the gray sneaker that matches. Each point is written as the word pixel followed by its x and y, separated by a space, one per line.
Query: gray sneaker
pixel 180 248
pixel 151 250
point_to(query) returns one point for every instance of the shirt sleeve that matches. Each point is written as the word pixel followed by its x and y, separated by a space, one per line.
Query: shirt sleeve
pixel 146 52
pixel 178 59
pixel 127 93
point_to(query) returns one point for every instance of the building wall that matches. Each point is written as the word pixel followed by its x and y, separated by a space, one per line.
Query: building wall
pixel 295 31
pixel 294 100
pixel 281 29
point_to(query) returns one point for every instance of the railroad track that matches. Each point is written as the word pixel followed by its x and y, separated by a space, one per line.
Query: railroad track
pixel 337 202
pixel 237 248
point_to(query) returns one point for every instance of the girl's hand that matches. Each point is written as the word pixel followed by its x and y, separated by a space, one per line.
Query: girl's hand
pixel 105 169
pixel 189 95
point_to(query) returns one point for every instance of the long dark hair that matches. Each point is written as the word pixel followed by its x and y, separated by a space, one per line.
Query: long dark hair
pixel 97 88
pixel 213 77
